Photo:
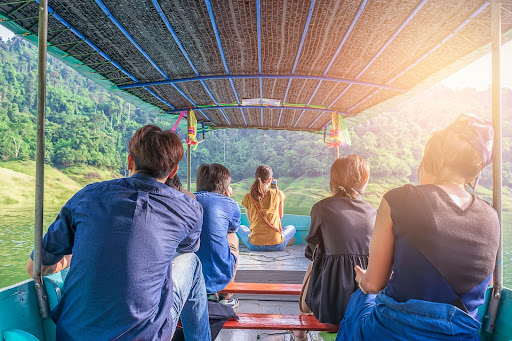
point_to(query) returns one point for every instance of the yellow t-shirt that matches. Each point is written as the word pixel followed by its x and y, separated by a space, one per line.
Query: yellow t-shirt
pixel 261 233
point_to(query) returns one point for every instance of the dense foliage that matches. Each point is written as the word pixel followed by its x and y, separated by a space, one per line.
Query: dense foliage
pixel 87 125
pixel 392 142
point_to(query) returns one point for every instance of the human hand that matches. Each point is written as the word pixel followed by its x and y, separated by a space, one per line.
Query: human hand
pixel 229 192
pixel 359 273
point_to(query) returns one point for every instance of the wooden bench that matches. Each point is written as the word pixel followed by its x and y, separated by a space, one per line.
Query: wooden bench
pixel 263 288
pixel 279 322
pixel 273 321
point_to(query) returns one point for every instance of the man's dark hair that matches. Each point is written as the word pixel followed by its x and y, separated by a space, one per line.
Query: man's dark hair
pixel 155 151
pixel 213 178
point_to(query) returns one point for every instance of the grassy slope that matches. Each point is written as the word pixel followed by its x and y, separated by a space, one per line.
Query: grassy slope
pixel 17 182
pixel 17 185
pixel 303 193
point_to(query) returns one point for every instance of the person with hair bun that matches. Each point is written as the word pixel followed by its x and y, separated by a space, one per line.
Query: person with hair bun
pixel 264 208
pixel 433 248
pixel 339 239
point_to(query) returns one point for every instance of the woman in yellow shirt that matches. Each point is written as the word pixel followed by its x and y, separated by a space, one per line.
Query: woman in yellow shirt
pixel 264 208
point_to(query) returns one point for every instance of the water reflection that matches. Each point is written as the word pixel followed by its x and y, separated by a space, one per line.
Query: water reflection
pixel 17 240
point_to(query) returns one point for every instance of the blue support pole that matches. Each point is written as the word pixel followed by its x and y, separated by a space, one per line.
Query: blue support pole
pixel 304 33
pixel 338 50
pixel 393 36
pixel 222 55
pixel 185 54
pixel 100 52
pixel 258 18
pixel 271 76
pixel 141 50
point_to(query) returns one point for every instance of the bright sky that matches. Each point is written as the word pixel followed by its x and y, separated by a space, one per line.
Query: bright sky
pixel 476 75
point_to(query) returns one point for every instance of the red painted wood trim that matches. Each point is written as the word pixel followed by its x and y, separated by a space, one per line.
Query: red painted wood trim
pixel 263 288
pixel 279 322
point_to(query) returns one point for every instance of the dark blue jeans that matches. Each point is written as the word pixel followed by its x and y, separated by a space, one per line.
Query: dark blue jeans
pixel 288 232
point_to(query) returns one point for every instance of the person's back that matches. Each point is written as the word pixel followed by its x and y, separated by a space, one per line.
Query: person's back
pixel 219 243
pixel 268 206
pixel 127 222
pixel 126 238
pixel 436 241
pixel 264 208
pixel 445 241
pixel 339 239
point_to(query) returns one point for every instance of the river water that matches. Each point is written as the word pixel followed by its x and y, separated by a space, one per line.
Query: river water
pixel 17 240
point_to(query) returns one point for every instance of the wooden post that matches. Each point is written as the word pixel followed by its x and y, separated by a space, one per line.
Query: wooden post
pixel 40 129
pixel 497 164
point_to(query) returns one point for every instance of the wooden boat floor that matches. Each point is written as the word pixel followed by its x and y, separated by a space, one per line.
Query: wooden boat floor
pixel 288 266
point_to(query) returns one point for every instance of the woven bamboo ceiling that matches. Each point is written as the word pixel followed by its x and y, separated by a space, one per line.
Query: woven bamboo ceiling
pixel 297 60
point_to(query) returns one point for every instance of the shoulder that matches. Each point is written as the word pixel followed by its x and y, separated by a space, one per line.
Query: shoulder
pixel 487 209
pixel 366 206
pixel 401 194
pixel 102 186
pixel 246 199
pixel 277 193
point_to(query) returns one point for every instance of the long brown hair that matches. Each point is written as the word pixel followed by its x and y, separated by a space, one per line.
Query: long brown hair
pixel 349 174
pixel 262 174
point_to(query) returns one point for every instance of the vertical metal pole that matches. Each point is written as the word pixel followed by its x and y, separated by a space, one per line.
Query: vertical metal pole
pixel 497 164
pixel 336 153
pixel 189 161
pixel 41 103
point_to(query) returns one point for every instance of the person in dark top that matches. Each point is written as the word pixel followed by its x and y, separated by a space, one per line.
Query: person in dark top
pixel 339 239
pixel 219 243
pixel 436 241
pixel 133 272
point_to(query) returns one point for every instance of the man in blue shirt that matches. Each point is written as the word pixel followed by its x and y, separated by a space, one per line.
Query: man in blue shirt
pixel 219 242
pixel 133 269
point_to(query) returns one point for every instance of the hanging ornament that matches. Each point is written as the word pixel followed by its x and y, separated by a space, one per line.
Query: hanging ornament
pixel 192 129
pixel 338 136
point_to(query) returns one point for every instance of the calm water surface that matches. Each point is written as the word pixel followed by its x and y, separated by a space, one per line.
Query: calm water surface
pixel 17 240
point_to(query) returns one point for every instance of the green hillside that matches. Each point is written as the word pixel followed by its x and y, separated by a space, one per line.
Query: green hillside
pixel 17 185
pixel 17 182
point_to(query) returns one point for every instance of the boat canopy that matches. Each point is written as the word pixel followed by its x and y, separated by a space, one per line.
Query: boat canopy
pixel 263 64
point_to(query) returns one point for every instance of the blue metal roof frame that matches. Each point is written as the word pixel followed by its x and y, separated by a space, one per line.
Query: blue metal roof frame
pixel 144 53
pixel 369 87
pixel 219 43
pixel 308 20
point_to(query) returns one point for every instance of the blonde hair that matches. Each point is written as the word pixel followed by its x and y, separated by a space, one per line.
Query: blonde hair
pixel 448 153
pixel 349 175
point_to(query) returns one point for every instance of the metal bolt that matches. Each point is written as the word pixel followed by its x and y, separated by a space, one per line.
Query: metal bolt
pixel 42 311
pixel 37 285
pixel 497 295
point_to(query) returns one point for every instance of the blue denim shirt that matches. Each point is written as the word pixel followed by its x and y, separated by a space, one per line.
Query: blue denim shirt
pixel 221 215
pixel 123 235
